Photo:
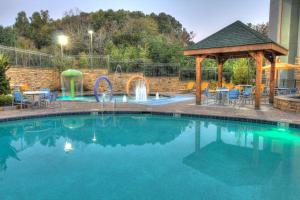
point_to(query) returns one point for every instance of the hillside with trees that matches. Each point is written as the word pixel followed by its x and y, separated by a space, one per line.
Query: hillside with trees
pixel 120 34
pixel 124 36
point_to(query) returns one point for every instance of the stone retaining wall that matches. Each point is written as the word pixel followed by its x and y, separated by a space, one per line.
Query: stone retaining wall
pixel 37 77
pixel 49 78
pixel 287 103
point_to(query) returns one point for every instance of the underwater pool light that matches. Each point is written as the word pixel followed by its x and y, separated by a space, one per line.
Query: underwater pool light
pixel 68 147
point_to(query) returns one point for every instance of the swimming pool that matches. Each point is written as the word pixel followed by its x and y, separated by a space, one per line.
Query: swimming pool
pixel 119 98
pixel 141 156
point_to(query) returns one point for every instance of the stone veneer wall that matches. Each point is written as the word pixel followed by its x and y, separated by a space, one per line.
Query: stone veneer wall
pixel 37 77
pixel 49 78
pixel 286 103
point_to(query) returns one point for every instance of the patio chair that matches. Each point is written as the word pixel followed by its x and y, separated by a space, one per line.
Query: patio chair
pixel 233 96
pixel 19 99
pixel 265 94
pixel 53 102
pixel 294 91
pixel 45 99
pixel 209 95
pixel 189 87
pixel 247 95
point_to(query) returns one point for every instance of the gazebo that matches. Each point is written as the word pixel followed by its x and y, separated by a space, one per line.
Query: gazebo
pixel 237 41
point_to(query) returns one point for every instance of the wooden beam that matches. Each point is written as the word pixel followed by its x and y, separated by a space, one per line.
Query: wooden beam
pixel 235 49
pixel 258 56
pixel 272 79
pixel 220 62
pixel 199 59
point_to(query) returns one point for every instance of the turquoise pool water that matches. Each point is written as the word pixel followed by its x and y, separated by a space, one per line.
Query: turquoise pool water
pixel 119 98
pixel 147 157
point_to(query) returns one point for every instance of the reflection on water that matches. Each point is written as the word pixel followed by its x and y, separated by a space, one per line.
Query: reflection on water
pixel 181 158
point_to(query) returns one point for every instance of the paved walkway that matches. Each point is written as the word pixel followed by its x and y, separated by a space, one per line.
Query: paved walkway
pixel 186 107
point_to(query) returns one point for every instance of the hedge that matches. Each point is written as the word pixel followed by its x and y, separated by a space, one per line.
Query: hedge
pixel 5 100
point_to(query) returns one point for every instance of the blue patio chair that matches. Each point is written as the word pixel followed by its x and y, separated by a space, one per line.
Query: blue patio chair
pixel 45 99
pixel 209 95
pixel 222 96
pixel 48 94
pixel 247 95
pixel 265 94
pixel 233 96
pixel 52 102
pixel 19 99
pixel 294 91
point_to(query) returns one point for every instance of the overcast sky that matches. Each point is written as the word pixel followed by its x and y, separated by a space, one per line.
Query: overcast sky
pixel 203 17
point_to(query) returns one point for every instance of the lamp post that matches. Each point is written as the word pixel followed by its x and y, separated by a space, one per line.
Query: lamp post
pixel 91 32
pixel 63 41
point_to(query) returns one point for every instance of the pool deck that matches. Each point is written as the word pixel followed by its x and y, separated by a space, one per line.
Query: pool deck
pixel 266 112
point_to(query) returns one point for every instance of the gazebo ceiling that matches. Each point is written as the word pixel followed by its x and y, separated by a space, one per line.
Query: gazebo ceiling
pixel 234 41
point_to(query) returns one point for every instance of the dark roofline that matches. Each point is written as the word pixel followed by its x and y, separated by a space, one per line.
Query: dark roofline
pixel 269 42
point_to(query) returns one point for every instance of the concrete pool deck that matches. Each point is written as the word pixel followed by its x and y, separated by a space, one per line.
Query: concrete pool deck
pixel 267 113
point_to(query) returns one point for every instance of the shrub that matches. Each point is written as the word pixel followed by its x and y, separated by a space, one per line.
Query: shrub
pixel 187 74
pixel 5 100
pixel 4 81
pixel 83 60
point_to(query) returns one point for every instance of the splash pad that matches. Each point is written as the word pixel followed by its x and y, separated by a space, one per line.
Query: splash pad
pixel 142 88
pixel 104 78
pixel 72 83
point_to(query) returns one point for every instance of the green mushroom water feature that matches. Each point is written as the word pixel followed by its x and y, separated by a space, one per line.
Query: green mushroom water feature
pixel 71 83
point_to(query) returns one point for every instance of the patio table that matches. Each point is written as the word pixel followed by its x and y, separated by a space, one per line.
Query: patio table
pixel 224 96
pixel 35 96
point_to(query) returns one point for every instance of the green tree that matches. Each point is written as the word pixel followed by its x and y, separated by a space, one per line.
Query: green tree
pixel 243 72
pixel 4 81
pixel 7 36
pixel 83 60
pixel 22 25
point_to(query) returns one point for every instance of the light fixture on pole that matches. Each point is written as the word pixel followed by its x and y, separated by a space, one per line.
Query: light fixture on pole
pixel 91 32
pixel 63 41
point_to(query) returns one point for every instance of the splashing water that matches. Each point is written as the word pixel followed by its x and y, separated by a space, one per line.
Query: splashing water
pixel 141 91
pixel 157 96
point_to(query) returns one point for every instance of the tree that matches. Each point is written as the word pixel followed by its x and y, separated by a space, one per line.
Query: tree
pixel 41 28
pixel 7 36
pixel 22 25
pixel 262 28
pixel 243 71
pixel 4 81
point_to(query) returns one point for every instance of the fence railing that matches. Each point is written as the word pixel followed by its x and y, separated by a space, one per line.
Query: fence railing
pixel 297 60
pixel 27 58
pixel 21 57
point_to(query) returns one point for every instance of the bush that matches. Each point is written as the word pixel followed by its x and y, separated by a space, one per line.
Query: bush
pixel 187 74
pixel 83 60
pixel 163 69
pixel 5 100
pixel 4 81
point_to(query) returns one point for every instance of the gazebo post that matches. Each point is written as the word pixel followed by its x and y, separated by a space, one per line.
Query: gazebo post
pixel 199 59
pixel 220 71
pixel 259 61
pixel 272 79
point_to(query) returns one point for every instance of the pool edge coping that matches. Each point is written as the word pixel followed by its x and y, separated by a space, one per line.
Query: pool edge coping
pixel 175 114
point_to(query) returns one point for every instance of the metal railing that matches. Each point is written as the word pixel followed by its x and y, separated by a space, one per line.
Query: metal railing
pixel 297 60
pixel 28 58
pixel 21 57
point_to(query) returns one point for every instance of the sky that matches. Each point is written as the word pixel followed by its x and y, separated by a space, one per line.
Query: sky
pixel 203 17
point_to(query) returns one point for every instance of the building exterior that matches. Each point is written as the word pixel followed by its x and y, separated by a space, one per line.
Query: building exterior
pixel 284 28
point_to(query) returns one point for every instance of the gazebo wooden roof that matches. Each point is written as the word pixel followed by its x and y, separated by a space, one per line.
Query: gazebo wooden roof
pixel 236 41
